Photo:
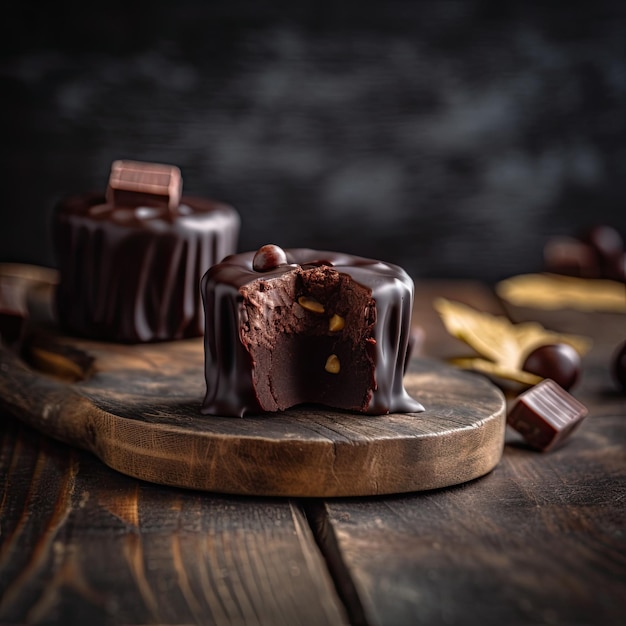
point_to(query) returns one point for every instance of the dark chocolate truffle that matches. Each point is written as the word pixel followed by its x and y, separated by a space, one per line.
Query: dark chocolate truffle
pixel 559 362
pixel 130 262
pixel 323 328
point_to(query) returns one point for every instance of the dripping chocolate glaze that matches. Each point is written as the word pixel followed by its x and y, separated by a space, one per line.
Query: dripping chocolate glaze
pixel 229 365
pixel 131 274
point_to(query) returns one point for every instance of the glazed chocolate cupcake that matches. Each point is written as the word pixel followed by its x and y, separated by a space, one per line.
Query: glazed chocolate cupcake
pixel 285 327
pixel 130 260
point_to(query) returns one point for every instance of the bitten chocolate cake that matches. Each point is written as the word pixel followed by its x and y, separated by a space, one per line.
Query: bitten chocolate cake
pixel 130 261
pixel 285 327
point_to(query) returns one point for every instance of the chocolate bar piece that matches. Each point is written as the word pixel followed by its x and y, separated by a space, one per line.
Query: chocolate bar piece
pixel 134 183
pixel 546 415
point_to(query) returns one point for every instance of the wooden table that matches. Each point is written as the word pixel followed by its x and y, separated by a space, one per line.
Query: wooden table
pixel 539 540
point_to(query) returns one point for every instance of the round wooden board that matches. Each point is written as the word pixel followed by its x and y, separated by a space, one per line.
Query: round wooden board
pixel 138 409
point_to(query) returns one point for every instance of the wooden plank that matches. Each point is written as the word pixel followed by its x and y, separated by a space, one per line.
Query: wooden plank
pixel 538 541
pixel 82 544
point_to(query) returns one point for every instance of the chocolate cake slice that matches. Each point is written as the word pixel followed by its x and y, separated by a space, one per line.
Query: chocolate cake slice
pixel 305 326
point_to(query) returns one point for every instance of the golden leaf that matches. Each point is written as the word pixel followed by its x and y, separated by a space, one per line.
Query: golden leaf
pixel 503 345
pixel 490 336
pixel 495 370
pixel 552 291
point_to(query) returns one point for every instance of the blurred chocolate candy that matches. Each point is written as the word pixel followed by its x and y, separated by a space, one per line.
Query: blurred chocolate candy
pixel 608 246
pixel 598 252
pixel 571 257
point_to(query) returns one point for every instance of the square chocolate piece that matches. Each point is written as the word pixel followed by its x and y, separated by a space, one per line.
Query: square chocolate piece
pixel 135 183
pixel 545 415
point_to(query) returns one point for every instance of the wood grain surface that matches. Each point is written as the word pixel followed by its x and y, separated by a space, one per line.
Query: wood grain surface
pixel 137 408
pixel 81 544
pixel 539 540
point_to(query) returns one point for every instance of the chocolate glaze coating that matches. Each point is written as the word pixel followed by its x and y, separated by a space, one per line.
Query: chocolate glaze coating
pixel 132 274
pixel 263 351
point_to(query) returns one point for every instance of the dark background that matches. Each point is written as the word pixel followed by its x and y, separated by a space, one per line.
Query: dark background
pixel 452 138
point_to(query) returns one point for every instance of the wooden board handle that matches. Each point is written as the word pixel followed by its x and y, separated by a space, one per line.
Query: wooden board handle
pixel 43 403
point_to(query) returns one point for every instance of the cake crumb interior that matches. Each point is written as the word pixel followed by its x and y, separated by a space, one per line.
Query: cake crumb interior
pixel 309 334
